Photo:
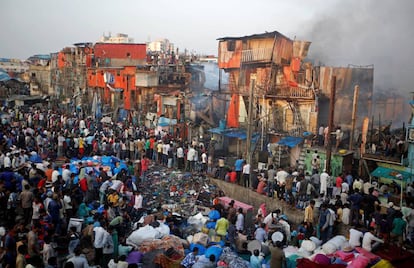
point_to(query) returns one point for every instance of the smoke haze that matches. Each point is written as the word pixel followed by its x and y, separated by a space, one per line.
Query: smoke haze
pixel 367 32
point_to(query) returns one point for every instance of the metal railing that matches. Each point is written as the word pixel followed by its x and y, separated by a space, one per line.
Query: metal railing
pixel 258 54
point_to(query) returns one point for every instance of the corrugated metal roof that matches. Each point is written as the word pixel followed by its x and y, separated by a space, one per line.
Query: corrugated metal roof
pixel 255 36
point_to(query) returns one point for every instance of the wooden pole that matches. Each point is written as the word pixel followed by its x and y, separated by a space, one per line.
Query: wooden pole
pixel 354 115
pixel 250 121
pixel 330 125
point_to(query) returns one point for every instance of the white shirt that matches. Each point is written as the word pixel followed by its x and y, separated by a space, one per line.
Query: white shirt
pixel 191 154
pixel 67 202
pixel 116 185
pixel 138 202
pixel 281 176
pixel 55 175
pixel 7 162
pixel 355 237
pixel 66 174
pixel 346 213
pixel 324 182
pixel 368 239
pixel 99 240
pixel 344 187
pixel 180 152
pixel 246 169
pixel 240 222
pixel 204 158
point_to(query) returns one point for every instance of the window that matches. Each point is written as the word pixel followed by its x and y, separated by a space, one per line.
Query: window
pixel 231 45
pixel 33 74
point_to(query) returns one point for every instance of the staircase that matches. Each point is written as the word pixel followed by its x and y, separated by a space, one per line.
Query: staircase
pixel 302 156
pixel 298 126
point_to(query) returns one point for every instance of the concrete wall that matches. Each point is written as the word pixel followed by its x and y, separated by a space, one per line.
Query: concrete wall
pixel 248 196
pixel 254 199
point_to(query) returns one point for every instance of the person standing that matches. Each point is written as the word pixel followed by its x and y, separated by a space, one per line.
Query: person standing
pixel 180 157
pixel 324 178
pixel 271 173
pixel 309 218
pixel 238 167
pixel 246 174
pixel 240 220
pixel 323 222
pixel 277 256
pixel 398 229
pixel 26 199
pixel 320 135
pixel 98 243
pixel 355 199
pixel 222 225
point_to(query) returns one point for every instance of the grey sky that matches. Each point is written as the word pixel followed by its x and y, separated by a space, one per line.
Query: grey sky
pixel 342 32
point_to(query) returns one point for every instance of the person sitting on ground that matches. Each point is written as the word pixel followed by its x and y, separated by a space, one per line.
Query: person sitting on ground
pixel 190 259
pixel 369 238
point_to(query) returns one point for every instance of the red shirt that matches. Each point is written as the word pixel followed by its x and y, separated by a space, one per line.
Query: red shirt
pixel 144 164
pixel 83 184
pixel 338 182
pixel 233 176
pixel 260 187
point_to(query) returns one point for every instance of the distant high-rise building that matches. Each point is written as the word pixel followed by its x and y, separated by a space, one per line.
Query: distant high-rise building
pixel 118 38
pixel 160 45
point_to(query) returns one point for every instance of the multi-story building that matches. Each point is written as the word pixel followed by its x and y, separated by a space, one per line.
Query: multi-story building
pixel 14 66
pixel 275 94
pixel 40 75
pixel 160 45
pixel 117 39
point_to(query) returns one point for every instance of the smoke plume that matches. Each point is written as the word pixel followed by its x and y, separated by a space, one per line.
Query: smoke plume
pixel 361 33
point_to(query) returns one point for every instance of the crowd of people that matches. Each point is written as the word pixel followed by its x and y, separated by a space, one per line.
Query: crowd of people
pixel 343 200
pixel 40 195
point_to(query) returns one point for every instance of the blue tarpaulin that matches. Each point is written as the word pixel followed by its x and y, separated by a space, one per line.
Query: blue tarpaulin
pixel 290 141
pixel 165 122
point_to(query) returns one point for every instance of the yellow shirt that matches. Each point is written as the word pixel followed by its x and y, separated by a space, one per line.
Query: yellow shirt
pixel 113 199
pixel 308 214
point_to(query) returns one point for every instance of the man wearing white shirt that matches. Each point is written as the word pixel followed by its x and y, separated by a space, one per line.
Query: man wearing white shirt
pixel 369 237
pixel 204 162
pixel 138 201
pixel 66 173
pixel 355 237
pixel 191 158
pixel 7 161
pixel 324 182
pixel 180 157
pixel 55 174
pixel 99 243
pixel 246 174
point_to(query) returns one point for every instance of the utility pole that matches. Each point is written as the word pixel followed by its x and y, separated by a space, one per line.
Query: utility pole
pixel 250 122
pixel 354 112
pixel 330 125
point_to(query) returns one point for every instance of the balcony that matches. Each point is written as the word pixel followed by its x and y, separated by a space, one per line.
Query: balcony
pixel 291 93
pixel 257 55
